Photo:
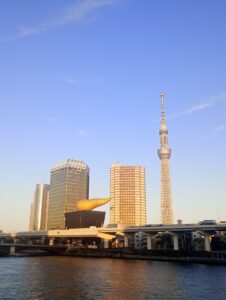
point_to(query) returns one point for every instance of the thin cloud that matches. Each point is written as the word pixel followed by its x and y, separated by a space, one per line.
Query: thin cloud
pixel 219 128
pixel 75 13
pixel 198 107
pixel 50 119
pixel 23 31
pixel 82 132
pixel 72 80
pixel 211 101
pixel 191 110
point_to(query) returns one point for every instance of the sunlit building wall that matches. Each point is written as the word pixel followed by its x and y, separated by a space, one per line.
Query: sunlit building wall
pixel 69 182
pixel 31 220
pixel 39 208
pixel 128 192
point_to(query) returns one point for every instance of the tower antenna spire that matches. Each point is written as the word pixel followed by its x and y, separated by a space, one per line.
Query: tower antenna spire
pixel 162 106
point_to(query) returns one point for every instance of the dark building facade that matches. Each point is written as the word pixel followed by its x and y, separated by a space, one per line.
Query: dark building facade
pixel 84 219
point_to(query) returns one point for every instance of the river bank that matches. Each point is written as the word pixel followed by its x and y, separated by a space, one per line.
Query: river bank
pixel 170 256
pixel 213 257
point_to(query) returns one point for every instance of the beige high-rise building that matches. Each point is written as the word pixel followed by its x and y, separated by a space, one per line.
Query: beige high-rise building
pixel 39 208
pixel 69 182
pixel 128 192
pixel 164 153
pixel 31 219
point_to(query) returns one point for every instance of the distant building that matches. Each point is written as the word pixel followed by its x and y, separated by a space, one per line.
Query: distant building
pixel 39 208
pixel 128 192
pixel 69 182
pixel 31 219
pixel 138 241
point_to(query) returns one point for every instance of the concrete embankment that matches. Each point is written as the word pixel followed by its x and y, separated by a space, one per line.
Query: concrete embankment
pixel 170 256
pixel 213 257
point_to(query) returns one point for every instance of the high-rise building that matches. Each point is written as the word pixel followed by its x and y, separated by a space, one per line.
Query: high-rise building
pixel 31 219
pixel 164 153
pixel 128 192
pixel 39 208
pixel 69 182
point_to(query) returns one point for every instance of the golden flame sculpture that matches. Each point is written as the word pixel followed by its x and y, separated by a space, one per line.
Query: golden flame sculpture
pixel 89 204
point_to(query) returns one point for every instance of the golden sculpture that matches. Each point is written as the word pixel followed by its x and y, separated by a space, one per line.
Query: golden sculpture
pixel 89 204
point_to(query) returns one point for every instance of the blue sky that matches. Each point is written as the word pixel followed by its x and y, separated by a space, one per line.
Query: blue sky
pixel 81 79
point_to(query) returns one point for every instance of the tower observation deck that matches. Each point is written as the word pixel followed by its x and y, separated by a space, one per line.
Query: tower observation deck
pixel 164 153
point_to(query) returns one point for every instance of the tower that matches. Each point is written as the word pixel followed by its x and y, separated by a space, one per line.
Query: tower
pixel 164 153
pixel 69 182
pixel 128 193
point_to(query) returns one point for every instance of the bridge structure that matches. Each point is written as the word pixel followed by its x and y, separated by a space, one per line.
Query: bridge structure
pixel 58 241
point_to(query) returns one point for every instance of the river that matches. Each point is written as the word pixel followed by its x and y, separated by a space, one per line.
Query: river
pixel 90 278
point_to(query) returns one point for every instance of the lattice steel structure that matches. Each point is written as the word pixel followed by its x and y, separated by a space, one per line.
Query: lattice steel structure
pixel 164 153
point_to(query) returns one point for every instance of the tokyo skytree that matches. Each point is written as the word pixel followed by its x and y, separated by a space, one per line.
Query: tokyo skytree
pixel 164 153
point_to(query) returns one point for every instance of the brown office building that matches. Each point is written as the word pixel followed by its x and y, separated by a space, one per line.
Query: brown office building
pixel 128 192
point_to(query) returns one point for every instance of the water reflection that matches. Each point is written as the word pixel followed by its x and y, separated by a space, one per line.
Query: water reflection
pixel 87 278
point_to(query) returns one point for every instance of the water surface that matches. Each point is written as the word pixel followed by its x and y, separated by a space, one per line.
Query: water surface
pixel 93 278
